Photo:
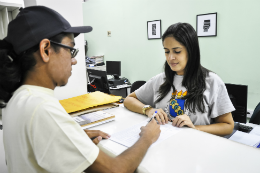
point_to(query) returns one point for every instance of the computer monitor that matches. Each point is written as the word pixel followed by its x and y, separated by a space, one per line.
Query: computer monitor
pixel 114 68
pixel 238 96
pixel 98 79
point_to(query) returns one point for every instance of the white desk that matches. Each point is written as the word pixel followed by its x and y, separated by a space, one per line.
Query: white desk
pixel 188 151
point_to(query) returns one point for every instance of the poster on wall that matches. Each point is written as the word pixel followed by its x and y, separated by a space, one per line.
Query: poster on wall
pixel 207 25
pixel 154 29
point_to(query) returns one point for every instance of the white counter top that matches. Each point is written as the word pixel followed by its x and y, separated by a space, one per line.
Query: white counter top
pixel 188 151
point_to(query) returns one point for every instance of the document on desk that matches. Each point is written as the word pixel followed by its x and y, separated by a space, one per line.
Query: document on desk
pixel 93 119
pixel 255 131
pixel 245 138
pixel 130 136
pixel 86 101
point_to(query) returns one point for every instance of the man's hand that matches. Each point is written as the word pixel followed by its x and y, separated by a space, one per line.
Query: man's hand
pixel 161 116
pixel 182 120
pixel 151 131
pixel 97 135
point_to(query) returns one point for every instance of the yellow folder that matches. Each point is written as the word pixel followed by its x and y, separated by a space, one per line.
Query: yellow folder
pixel 87 101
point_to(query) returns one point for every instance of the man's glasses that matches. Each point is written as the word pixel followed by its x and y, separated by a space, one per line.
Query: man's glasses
pixel 73 51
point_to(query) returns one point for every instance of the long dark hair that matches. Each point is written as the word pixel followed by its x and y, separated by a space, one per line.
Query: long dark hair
pixel 14 68
pixel 194 73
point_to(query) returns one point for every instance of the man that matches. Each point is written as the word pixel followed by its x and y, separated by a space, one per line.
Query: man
pixel 39 136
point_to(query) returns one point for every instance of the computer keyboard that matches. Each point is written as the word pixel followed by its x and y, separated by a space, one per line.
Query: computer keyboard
pixel 244 128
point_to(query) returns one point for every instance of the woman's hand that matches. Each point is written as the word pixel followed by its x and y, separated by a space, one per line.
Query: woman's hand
pixel 96 135
pixel 182 120
pixel 161 116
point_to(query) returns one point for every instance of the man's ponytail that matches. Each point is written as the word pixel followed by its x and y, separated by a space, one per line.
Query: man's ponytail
pixel 10 71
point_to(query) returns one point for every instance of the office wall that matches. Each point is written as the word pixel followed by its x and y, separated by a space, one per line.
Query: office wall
pixel 72 11
pixel 233 54
pixel 28 3
pixel 12 1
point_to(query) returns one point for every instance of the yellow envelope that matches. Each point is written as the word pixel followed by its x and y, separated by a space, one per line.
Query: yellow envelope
pixel 87 101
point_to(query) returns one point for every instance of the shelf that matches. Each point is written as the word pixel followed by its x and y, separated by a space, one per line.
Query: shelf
pixel 8 11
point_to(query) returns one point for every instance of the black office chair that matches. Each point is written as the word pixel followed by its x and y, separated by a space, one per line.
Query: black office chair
pixel 136 85
pixel 255 119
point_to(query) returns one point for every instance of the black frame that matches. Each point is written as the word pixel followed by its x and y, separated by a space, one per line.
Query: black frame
pixel 160 30
pixel 73 51
pixel 215 28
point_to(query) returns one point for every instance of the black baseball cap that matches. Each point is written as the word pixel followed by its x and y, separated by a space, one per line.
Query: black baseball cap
pixel 35 23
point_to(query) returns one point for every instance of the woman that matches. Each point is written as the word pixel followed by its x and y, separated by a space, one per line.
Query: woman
pixel 186 93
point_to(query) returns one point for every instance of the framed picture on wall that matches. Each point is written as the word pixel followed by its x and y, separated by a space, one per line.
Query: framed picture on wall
pixel 154 29
pixel 207 25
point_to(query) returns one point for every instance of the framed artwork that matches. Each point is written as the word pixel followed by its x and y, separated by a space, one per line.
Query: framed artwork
pixel 207 25
pixel 154 29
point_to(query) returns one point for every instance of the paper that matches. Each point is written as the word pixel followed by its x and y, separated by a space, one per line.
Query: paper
pixel 87 100
pixel 96 124
pixel 130 136
pixel 91 117
pixel 245 138
pixel 255 131
pixel 94 109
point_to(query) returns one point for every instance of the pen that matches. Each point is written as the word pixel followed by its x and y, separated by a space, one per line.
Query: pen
pixel 153 116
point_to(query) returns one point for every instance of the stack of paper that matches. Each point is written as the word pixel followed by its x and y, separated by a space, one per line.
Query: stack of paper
pixel 94 109
pixel 97 59
pixel 250 139
pixel 93 119
pixel 87 101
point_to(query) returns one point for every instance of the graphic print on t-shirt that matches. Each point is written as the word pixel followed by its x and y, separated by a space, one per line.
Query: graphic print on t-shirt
pixel 177 103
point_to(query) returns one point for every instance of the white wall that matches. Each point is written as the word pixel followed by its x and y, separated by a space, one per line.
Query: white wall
pixel 233 54
pixel 72 11
pixel 28 3
pixel 12 1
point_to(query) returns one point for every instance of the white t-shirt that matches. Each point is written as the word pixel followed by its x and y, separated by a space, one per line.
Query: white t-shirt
pixel 215 97
pixel 39 135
